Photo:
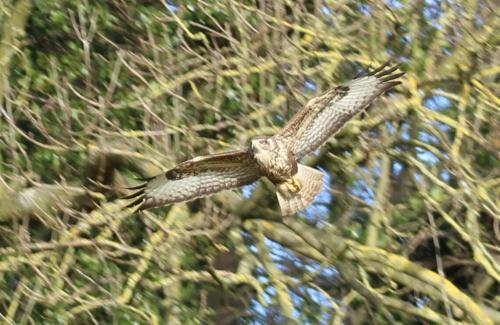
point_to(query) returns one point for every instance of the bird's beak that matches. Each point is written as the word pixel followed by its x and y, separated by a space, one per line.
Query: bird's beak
pixel 254 148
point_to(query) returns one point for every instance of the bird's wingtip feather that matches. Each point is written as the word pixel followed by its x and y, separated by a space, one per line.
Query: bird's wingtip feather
pixel 138 203
pixel 133 195
pixel 380 68
pixel 390 77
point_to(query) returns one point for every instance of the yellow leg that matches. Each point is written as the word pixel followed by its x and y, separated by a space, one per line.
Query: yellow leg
pixel 294 185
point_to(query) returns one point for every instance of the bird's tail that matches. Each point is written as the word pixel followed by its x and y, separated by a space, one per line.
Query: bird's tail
pixel 309 181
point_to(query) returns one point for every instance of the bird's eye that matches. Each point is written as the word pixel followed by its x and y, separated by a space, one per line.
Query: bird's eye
pixel 263 141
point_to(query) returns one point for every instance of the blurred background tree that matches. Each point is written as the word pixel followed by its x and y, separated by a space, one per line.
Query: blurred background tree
pixel 95 93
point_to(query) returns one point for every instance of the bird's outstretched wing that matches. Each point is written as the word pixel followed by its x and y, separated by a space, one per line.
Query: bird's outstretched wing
pixel 200 176
pixel 325 115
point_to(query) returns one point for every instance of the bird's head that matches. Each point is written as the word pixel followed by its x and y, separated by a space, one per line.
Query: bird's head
pixel 261 144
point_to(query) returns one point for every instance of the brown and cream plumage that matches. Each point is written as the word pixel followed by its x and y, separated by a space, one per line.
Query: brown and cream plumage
pixel 273 157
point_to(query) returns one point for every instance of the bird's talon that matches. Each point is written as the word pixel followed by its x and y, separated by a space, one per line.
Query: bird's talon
pixel 294 185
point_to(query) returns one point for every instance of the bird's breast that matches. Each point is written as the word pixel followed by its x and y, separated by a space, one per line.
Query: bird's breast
pixel 278 165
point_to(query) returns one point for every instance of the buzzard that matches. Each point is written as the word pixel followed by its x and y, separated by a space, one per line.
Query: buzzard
pixel 275 157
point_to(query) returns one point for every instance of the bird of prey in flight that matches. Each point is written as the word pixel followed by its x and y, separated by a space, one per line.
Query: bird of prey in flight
pixel 275 157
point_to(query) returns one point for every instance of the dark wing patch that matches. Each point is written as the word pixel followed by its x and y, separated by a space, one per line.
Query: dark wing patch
pixel 172 174
pixel 341 90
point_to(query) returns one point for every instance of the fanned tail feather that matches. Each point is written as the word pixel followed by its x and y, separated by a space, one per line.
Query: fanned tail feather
pixel 311 182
